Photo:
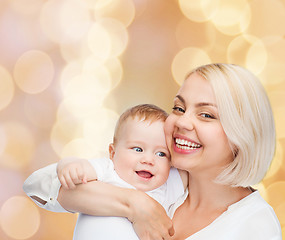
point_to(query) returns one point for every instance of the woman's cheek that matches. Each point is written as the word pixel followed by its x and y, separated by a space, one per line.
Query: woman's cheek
pixel 168 130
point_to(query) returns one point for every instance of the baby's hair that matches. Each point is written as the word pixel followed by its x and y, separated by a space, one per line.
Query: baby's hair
pixel 143 112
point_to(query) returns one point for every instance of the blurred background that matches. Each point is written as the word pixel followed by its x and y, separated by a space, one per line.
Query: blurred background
pixel 68 68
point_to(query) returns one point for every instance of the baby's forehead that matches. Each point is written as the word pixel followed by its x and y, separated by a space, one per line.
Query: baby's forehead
pixel 143 119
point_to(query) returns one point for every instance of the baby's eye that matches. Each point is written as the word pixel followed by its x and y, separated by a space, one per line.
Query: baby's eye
pixel 178 109
pixel 161 154
pixel 137 149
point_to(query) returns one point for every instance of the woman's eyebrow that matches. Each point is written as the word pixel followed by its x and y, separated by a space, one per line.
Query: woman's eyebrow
pixel 202 104
pixel 180 98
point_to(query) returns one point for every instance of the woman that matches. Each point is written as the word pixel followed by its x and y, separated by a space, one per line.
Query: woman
pixel 221 131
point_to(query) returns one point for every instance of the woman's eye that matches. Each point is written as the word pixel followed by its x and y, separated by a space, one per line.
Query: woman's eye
pixel 137 149
pixel 178 109
pixel 207 115
pixel 161 154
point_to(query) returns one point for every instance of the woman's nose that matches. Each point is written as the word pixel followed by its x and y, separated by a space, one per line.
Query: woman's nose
pixel 185 122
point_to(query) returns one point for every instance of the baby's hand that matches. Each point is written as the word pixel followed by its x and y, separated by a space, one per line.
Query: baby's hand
pixel 72 171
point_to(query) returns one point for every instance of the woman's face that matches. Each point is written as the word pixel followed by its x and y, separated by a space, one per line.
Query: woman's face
pixel 194 134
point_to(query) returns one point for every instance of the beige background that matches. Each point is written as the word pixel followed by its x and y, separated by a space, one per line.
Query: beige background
pixel 68 68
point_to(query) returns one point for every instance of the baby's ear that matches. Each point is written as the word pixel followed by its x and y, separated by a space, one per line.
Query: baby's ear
pixel 111 150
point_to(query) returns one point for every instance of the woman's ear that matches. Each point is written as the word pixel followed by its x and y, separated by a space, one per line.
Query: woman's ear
pixel 111 150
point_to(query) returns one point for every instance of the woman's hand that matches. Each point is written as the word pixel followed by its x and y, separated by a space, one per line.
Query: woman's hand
pixel 149 218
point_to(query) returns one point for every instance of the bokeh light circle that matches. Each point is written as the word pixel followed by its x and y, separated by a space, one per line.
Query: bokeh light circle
pixel 274 71
pixel 277 99
pixel 199 10
pixel 65 20
pixel 80 148
pixel 121 10
pixel 280 212
pixel 276 193
pixel 99 131
pixel 186 60
pixel 248 51
pixel 267 18
pixel 69 71
pixel 19 217
pixel 277 161
pixel 75 19
pixel 115 69
pixel 50 19
pixel 117 34
pixel 99 41
pixel 232 17
pixel 63 131
pixel 7 88
pixel 34 71
pixel 19 147
pixel 86 91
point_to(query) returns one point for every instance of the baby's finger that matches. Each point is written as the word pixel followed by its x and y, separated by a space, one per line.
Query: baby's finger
pixel 69 181
pixel 74 176
pixel 63 182
pixel 80 174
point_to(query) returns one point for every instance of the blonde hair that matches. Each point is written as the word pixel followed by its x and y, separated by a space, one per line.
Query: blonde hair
pixel 246 116
pixel 143 112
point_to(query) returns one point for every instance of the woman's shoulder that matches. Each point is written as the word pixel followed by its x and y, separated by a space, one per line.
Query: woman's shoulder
pixel 255 214
pixel 251 204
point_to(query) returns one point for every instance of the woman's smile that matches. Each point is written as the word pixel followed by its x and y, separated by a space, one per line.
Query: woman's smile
pixel 183 145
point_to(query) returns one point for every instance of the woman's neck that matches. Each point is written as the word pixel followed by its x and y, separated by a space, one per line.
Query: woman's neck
pixel 206 194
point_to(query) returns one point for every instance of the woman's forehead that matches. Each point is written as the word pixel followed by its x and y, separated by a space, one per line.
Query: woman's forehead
pixel 196 88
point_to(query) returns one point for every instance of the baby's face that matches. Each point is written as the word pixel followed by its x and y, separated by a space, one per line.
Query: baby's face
pixel 141 157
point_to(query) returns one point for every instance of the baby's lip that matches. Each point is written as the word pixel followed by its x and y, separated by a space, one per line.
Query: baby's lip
pixel 144 174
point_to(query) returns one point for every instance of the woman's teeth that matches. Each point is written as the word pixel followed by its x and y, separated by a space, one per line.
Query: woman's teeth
pixel 186 145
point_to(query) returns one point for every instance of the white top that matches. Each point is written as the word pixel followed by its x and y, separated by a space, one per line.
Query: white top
pixel 44 184
pixel 251 218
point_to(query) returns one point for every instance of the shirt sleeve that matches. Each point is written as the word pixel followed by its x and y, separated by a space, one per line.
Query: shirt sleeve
pixel 44 185
pixel 103 167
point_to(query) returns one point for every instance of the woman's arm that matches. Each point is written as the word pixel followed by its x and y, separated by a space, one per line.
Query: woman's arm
pixel 149 218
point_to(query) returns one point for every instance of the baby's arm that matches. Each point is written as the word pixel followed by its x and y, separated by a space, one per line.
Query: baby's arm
pixel 72 171
pixel 43 185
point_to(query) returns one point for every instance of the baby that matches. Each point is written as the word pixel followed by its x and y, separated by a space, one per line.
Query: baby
pixel 139 158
